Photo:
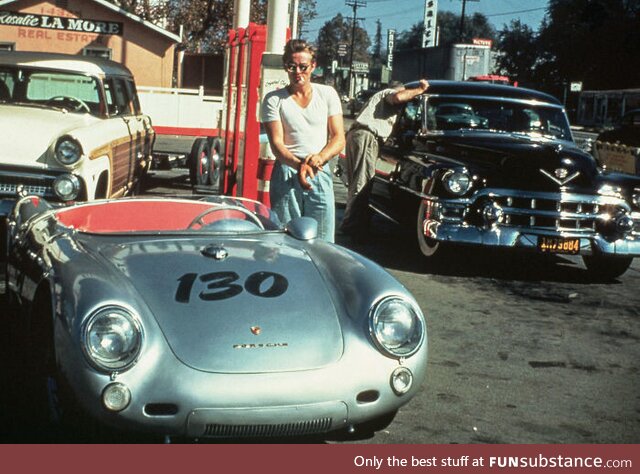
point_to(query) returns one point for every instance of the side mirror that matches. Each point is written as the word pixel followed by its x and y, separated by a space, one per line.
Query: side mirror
pixel 302 228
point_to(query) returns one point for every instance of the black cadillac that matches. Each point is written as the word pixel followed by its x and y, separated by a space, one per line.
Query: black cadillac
pixel 491 165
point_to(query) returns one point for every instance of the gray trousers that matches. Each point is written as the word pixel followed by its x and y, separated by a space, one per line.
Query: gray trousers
pixel 361 154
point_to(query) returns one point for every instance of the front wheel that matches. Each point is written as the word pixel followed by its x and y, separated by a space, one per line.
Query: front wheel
pixel 429 248
pixel 604 267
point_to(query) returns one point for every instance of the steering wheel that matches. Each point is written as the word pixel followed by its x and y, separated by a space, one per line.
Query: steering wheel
pixel 198 220
pixel 80 104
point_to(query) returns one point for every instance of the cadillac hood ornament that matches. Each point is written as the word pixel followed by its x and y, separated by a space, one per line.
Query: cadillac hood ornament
pixel 560 176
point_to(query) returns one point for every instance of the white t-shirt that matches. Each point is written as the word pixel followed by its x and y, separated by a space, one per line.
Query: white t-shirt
pixel 305 129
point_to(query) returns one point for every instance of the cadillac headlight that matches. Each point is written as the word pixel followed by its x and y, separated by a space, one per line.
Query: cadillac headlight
pixel 456 182
pixel 66 187
pixel 112 338
pixel 397 327
pixel 68 150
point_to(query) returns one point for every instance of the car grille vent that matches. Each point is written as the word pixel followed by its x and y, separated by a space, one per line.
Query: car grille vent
pixel 551 214
pixel 33 189
pixel 321 425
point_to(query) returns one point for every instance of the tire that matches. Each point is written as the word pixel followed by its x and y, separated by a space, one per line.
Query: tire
pixel 429 248
pixel 216 173
pixel 200 162
pixel 605 268
pixel 44 378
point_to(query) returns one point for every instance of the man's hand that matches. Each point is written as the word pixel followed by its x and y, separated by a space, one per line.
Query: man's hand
pixel 311 166
pixel 424 85
pixel 304 171
pixel 315 161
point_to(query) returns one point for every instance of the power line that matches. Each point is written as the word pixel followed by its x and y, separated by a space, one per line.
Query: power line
pixel 519 11
pixel 355 4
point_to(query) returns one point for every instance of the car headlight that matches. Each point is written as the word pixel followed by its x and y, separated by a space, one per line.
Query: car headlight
pixel 396 326
pixel 112 338
pixel 68 151
pixel 635 197
pixel 456 182
pixel 67 187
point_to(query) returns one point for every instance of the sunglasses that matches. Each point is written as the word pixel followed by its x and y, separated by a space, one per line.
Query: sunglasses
pixel 292 67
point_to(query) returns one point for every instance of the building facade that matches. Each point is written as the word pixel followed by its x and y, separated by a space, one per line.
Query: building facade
pixel 92 28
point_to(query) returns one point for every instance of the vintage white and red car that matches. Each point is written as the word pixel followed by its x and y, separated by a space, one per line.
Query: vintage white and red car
pixel 72 128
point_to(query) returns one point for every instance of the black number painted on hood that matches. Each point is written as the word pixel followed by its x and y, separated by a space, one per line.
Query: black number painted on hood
pixel 222 285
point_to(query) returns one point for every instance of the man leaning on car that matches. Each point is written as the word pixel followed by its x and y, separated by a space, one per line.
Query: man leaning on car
pixel 372 126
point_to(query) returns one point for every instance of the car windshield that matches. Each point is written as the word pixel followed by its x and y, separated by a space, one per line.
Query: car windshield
pixel 56 89
pixel 212 215
pixel 503 115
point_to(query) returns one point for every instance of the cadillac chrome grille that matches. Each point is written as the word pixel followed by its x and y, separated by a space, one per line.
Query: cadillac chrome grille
pixel 321 425
pixel 565 212
pixel 552 214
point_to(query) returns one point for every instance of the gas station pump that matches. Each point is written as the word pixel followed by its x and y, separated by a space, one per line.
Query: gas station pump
pixel 241 126
pixel 250 74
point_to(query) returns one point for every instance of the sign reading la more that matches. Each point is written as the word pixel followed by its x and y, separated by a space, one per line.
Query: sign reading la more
pixel 30 20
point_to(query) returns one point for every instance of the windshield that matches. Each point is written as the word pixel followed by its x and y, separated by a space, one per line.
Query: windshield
pixel 447 113
pixel 214 214
pixel 55 89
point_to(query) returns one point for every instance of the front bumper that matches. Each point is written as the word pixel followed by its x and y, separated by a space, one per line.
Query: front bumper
pixel 169 398
pixel 15 180
pixel 508 218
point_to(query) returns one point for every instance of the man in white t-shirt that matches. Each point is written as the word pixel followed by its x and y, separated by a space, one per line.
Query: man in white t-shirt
pixel 304 124
pixel 371 128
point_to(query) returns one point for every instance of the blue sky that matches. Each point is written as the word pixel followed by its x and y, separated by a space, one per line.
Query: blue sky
pixel 402 14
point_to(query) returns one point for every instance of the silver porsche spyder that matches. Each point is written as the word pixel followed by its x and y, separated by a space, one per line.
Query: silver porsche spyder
pixel 204 317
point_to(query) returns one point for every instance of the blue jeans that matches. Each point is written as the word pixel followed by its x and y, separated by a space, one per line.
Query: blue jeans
pixel 289 200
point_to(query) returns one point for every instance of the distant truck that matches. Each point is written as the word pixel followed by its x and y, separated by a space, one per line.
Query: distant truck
pixel 618 149
pixel 186 122
pixel 457 62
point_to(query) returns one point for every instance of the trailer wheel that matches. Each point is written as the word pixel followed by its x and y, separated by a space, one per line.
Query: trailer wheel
pixel 216 174
pixel 200 162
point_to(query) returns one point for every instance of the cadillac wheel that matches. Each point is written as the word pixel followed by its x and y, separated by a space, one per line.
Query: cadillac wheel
pixel 606 268
pixel 429 247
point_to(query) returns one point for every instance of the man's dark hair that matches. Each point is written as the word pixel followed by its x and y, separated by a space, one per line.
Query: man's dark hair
pixel 297 46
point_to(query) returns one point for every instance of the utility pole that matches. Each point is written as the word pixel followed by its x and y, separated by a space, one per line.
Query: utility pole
pixel 464 5
pixel 355 4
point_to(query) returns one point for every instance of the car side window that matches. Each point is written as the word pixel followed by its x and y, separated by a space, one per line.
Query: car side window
pixel 409 122
pixel 117 97
pixel 7 85
pixel 411 117
pixel 133 95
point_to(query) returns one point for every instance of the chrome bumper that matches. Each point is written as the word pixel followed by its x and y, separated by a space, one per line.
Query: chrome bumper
pixel 527 239
pixel 508 218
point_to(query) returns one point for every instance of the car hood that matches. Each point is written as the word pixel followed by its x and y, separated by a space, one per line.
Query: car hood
pixel 528 161
pixel 265 307
pixel 28 132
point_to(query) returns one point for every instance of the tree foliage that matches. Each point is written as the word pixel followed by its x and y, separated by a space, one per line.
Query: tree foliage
pixel 518 45
pixel 475 26
pixel 339 30
pixel 596 42
pixel 206 23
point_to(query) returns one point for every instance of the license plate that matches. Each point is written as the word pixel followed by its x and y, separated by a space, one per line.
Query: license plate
pixel 558 245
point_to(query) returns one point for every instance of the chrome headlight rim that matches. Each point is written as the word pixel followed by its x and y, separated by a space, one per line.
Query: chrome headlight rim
pixel 457 182
pixel 411 345
pixel 68 150
pixel 127 359
pixel 76 187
